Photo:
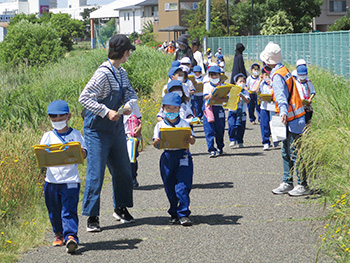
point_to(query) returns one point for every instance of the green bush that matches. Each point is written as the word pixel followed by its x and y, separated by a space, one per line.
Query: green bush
pixel 32 44
pixel 341 24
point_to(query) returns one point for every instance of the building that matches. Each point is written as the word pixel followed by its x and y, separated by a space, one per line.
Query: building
pixel 26 6
pixel 170 14
pixel 330 11
pixel 74 8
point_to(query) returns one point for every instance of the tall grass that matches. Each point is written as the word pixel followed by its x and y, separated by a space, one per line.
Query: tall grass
pixel 25 94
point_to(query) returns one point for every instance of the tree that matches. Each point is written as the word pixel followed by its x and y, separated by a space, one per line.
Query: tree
pixel 299 12
pixel 30 43
pixel 277 24
pixel 341 24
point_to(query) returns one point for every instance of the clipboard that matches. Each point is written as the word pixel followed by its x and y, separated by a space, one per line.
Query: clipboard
pixel 191 78
pixel 266 97
pixel 58 154
pixel 223 77
pixel 174 138
pixel 233 99
pixel 195 120
pixel 220 92
pixel 199 87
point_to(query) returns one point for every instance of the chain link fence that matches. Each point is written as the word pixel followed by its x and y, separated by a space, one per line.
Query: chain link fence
pixel 329 50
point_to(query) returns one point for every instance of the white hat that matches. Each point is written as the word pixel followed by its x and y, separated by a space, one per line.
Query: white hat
pixel 271 54
pixel 301 62
pixel 185 60
pixel 184 68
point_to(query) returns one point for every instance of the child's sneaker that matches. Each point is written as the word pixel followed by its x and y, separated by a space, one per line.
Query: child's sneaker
pixel 93 224
pixel 300 190
pixel 174 220
pixel 266 146
pixel 232 144
pixel 240 145
pixel 122 214
pixel 220 152
pixel 282 189
pixel 71 245
pixel 185 221
pixel 212 154
pixel 58 240
pixel 275 144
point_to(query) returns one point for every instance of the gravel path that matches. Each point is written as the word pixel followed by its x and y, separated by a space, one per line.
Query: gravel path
pixel 236 217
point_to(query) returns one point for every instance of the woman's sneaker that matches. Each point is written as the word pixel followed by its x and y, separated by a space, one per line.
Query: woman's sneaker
pixel 185 221
pixel 284 188
pixel 71 245
pixel 300 190
pixel 122 214
pixel 93 224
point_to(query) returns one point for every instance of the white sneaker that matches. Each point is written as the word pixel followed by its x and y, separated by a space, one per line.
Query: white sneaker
pixel 300 190
pixel 232 144
pixel 240 145
pixel 266 146
pixel 284 188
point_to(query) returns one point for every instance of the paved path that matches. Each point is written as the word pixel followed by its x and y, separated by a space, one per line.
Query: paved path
pixel 236 217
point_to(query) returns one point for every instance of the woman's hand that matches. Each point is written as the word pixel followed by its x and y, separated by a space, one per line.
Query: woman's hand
pixel 112 115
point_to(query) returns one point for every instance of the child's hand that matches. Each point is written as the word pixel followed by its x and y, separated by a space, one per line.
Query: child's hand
pixel 137 130
pixel 190 140
pixel 156 142
pixel 192 92
pixel 83 152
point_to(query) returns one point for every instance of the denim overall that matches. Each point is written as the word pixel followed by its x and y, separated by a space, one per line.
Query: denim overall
pixel 106 145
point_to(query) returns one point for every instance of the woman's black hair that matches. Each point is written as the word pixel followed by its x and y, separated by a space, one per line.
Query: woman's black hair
pixel 115 54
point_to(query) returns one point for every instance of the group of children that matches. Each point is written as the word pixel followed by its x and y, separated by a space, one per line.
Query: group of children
pixel 180 104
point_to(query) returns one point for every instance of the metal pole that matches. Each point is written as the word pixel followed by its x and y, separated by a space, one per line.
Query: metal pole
pixel 207 25
pixel 252 17
pixel 92 29
pixel 227 14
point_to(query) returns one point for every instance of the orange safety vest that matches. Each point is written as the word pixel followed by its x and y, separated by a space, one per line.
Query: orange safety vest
pixel 295 105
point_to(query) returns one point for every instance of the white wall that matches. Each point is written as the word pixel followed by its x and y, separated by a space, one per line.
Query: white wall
pixel 2 33
pixel 17 7
pixel 126 26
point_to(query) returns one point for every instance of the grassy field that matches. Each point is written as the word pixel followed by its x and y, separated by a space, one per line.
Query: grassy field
pixel 25 94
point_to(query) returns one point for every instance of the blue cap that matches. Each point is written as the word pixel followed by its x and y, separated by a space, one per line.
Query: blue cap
pixel 174 83
pixel 214 69
pixel 197 69
pixel 302 70
pixel 175 63
pixel 172 99
pixel 254 64
pixel 237 76
pixel 220 56
pixel 58 107
pixel 173 70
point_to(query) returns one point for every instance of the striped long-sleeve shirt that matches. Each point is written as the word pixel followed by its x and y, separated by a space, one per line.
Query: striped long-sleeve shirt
pixel 100 86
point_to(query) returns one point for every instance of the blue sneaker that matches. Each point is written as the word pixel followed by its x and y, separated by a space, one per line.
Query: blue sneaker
pixel 212 154
pixel 220 152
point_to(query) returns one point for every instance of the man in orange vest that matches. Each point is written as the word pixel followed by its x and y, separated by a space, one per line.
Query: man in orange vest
pixel 290 107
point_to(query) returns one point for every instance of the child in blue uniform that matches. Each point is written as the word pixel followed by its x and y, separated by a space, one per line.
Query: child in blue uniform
pixel 197 102
pixel 252 81
pixel 237 118
pixel 214 130
pixel 176 166
pixel 62 183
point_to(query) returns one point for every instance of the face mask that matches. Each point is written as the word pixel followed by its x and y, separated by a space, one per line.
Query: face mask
pixel 178 92
pixel 242 85
pixel 255 73
pixel 59 125
pixel 302 77
pixel 267 80
pixel 180 79
pixel 214 81
pixel 171 115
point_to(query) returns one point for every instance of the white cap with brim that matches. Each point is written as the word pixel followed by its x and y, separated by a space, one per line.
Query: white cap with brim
pixel 301 62
pixel 271 54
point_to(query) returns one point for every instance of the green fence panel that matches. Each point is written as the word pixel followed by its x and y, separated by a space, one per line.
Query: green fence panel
pixel 329 50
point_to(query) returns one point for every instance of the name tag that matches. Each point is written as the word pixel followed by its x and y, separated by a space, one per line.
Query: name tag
pixel 221 114
pixel 184 161
pixel 72 186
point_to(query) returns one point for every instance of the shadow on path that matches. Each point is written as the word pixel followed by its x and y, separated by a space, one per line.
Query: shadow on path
pixel 216 185
pixel 109 245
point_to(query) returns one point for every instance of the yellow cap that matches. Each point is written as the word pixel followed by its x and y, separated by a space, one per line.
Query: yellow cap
pixel 208 49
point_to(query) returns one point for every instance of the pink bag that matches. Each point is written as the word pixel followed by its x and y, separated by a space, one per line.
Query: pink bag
pixel 133 122
pixel 209 114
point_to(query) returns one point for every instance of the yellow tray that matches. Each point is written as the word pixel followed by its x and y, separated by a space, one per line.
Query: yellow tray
pixel 223 77
pixel 220 92
pixel 58 154
pixel 174 138
pixel 266 97
pixel 233 98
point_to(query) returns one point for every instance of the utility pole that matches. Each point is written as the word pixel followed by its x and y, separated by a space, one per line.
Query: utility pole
pixel 252 17
pixel 207 24
pixel 227 14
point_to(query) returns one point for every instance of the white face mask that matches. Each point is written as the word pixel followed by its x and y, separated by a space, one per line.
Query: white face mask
pixel 267 80
pixel 214 81
pixel 59 125
pixel 242 85
pixel 255 73
pixel 178 92
pixel 180 79
pixel 302 77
